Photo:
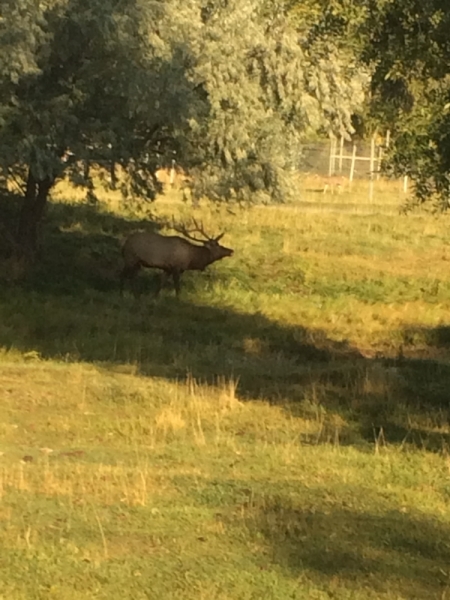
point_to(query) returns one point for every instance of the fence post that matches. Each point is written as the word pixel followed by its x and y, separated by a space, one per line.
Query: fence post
pixel 341 153
pixel 352 167
pixel 332 164
pixel 380 160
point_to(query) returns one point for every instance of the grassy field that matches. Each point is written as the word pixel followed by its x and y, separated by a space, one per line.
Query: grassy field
pixel 281 431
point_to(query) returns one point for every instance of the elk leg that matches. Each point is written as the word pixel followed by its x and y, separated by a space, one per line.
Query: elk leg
pixel 162 281
pixel 176 274
pixel 129 272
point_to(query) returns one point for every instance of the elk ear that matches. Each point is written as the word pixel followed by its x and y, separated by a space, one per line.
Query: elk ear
pixel 219 237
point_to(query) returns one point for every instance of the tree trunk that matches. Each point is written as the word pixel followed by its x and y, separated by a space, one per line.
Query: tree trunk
pixel 33 207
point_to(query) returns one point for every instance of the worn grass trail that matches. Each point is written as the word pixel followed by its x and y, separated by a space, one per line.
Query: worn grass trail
pixel 281 431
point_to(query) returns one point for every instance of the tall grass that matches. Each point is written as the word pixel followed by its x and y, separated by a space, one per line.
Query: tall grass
pixel 280 431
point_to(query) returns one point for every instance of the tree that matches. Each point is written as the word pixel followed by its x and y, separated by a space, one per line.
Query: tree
pixel 407 47
pixel 83 93
pixel 228 86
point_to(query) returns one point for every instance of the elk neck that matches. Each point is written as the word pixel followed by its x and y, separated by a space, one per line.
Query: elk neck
pixel 201 258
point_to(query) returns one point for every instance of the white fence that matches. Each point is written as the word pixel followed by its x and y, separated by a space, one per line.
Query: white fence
pixel 352 160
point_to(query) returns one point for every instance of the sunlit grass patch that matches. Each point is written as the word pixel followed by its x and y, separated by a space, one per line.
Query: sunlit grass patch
pixel 280 430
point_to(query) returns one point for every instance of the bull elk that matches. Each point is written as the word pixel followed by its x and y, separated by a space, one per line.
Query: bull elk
pixel 171 254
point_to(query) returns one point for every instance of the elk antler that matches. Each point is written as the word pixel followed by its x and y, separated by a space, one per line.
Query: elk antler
pixel 198 228
pixel 180 228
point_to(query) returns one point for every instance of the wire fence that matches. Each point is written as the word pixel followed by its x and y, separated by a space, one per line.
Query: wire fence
pixel 316 158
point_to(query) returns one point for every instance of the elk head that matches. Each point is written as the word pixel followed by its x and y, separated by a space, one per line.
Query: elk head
pixel 211 243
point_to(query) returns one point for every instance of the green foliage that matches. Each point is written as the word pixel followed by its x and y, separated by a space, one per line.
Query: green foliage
pixel 406 42
pixel 21 33
pixel 228 88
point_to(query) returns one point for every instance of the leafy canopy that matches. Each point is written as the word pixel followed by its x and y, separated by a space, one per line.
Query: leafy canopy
pixel 407 46
pixel 228 87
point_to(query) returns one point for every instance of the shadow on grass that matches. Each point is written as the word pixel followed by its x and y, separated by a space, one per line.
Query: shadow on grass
pixel 80 250
pixel 70 308
pixel 390 552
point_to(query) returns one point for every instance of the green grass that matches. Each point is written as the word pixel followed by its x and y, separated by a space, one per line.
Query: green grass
pixel 280 431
